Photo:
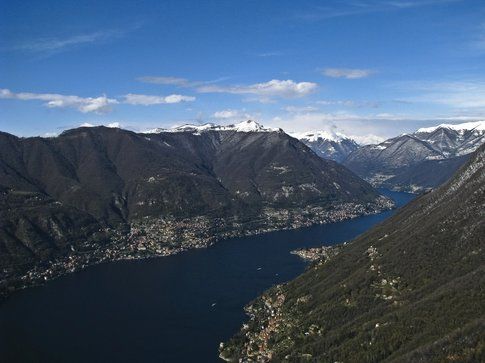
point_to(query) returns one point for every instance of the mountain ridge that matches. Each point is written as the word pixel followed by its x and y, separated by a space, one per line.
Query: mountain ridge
pixel 397 163
pixel 98 193
pixel 328 144
pixel 243 126
pixel 409 289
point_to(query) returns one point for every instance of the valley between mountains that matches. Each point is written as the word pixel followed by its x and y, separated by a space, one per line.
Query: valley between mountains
pixel 414 162
pixel 410 289
pixel 102 194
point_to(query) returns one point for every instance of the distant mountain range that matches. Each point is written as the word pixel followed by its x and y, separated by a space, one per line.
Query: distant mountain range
pixel 97 193
pixel 409 290
pixel 328 145
pixel 245 126
pixel 417 161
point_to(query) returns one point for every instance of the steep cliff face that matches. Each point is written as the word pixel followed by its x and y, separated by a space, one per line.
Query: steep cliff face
pixel 409 290
pixel 79 189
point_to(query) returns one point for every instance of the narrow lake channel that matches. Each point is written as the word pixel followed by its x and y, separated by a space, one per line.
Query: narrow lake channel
pixel 170 309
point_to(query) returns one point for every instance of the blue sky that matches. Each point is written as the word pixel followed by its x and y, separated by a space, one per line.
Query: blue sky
pixel 367 68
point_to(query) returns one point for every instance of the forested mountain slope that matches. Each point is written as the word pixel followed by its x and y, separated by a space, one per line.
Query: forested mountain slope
pixel 409 290
pixel 118 194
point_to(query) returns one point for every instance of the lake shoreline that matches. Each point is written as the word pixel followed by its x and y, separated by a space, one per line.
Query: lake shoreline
pixel 125 249
pixel 150 308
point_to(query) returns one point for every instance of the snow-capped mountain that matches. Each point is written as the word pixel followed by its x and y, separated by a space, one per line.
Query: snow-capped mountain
pixel 420 160
pixel 93 177
pixel 244 126
pixel 328 144
pixel 454 140
pixel 477 125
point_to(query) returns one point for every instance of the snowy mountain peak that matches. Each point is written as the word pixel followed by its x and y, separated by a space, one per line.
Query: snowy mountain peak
pixel 420 160
pixel 477 125
pixel 244 126
pixel 327 144
pixel 249 126
pixel 312 136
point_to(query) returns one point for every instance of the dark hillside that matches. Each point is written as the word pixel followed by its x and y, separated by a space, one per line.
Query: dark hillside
pixel 94 194
pixel 410 289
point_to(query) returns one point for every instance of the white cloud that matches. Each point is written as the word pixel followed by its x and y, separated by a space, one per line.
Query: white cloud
pixel 179 98
pixel 312 117
pixel 146 100
pixel 349 103
pixel 224 114
pixel 347 73
pixel 100 104
pixel 300 109
pixel 114 125
pixel 368 139
pixel 459 94
pixel 354 125
pixel 363 127
pixel 361 7
pixel 175 81
pixel 336 102
pixel 265 90
pixel 55 44
pixel 52 45
pixel 231 114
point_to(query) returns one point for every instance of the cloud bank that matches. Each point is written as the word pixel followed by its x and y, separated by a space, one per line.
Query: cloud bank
pixel 147 100
pixel 100 104
pixel 265 90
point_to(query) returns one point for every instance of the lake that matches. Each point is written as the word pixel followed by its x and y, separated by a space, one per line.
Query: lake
pixel 169 309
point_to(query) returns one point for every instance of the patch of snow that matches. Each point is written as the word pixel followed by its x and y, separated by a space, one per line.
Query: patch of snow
pixel 249 126
pixel 281 169
pixel 477 125
pixel 434 157
pixel 245 126
pixel 379 147
pixel 312 136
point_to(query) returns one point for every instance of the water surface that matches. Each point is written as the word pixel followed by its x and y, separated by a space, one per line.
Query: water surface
pixel 169 309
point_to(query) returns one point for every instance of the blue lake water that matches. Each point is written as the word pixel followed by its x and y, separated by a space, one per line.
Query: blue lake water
pixel 170 309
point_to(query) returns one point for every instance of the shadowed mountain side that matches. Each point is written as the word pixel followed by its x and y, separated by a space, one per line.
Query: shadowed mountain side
pixel 410 289
pixel 159 193
pixel 419 161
